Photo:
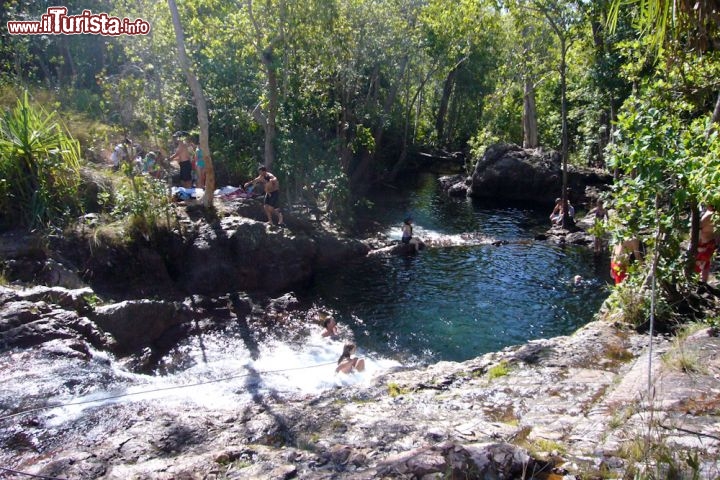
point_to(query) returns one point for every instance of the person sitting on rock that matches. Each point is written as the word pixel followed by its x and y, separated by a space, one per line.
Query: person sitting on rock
pixel 347 363
pixel 557 212
pixel 407 235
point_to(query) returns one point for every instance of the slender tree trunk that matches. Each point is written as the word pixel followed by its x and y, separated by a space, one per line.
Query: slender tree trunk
pixel 530 128
pixel 444 102
pixel 366 158
pixel 269 122
pixel 716 112
pixel 694 238
pixel 566 220
pixel 200 104
pixel 273 94
pixel 403 155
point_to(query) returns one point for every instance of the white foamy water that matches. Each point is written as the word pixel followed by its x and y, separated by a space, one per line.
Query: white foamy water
pixel 434 238
pixel 223 375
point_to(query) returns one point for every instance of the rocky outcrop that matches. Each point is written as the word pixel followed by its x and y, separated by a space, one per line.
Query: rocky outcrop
pixel 243 254
pixel 140 323
pixel 509 172
pixel 568 407
pixel 207 256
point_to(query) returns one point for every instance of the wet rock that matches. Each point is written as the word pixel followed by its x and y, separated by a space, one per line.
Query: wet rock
pixel 139 323
pixel 76 299
pixel 243 254
pixel 397 249
pixel 455 185
pixel 24 323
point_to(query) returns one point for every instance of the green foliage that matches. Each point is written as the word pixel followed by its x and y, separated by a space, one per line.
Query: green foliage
pixel 666 161
pixel 141 200
pixel 630 303
pixel 39 168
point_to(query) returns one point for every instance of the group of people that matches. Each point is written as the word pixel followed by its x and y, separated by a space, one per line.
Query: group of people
pixel 134 156
pixel 629 250
pixel 347 363
pixel 558 212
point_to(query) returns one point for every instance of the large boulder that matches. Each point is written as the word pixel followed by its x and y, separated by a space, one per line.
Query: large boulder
pixel 509 172
pixel 139 324
pixel 239 253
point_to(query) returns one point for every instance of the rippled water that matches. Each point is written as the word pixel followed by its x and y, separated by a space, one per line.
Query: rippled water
pixel 457 302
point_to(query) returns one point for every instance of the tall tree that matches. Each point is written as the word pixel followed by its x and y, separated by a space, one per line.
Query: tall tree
pixel 562 18
pixel 200 104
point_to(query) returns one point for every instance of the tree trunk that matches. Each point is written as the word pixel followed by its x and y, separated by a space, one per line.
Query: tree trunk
pixel 716 112
pixel 273 93
pixel 200 104
pixel 694 238
pixel 267 57
pixel 444 102
pixel 566 220
pixel 366 158
pixel 530 128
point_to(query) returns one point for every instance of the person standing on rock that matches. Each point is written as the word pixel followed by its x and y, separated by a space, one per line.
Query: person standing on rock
pixel 182 155
pixel 600 218
pixel 272 194
pixel 624 253
pixel 407 235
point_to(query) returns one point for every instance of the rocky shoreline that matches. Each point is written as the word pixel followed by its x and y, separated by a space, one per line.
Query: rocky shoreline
pixel 567 407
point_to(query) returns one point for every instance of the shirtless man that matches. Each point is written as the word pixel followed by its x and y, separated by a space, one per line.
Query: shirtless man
pixel 182 155
pixel 272 194
pixel 623 254
pixel 706 243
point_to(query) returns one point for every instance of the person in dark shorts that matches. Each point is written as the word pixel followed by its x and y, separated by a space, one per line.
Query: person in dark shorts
pixel 272 194
pixel 182 155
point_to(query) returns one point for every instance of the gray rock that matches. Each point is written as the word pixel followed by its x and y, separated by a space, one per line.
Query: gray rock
pixel 139 323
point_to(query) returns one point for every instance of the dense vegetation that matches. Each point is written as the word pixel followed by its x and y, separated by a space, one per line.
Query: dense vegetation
pixel 345 90
pixel 336 95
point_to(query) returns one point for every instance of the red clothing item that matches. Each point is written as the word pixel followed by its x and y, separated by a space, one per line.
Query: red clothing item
pixel 705 252
pixel 618 272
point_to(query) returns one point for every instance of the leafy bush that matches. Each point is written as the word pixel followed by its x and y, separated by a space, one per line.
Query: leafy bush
pixel 39 168
pixel 142 200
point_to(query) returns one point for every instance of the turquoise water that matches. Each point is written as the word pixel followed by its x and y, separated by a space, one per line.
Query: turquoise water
pixel 460 301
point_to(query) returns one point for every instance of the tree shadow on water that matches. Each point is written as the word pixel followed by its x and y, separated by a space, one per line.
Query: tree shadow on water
pixel 260 393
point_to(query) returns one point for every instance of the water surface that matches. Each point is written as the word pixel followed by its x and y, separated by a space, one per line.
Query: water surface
pixel 460 301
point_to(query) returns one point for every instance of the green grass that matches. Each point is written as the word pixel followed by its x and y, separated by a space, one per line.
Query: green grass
pixel 395 390
pixel 500 370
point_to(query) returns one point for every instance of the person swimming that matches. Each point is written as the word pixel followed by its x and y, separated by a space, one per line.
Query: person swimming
pixel 330 325
pixel 347 363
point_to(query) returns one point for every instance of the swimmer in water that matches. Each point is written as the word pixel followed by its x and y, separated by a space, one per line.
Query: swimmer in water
pixel 347 363
pixel 331 329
